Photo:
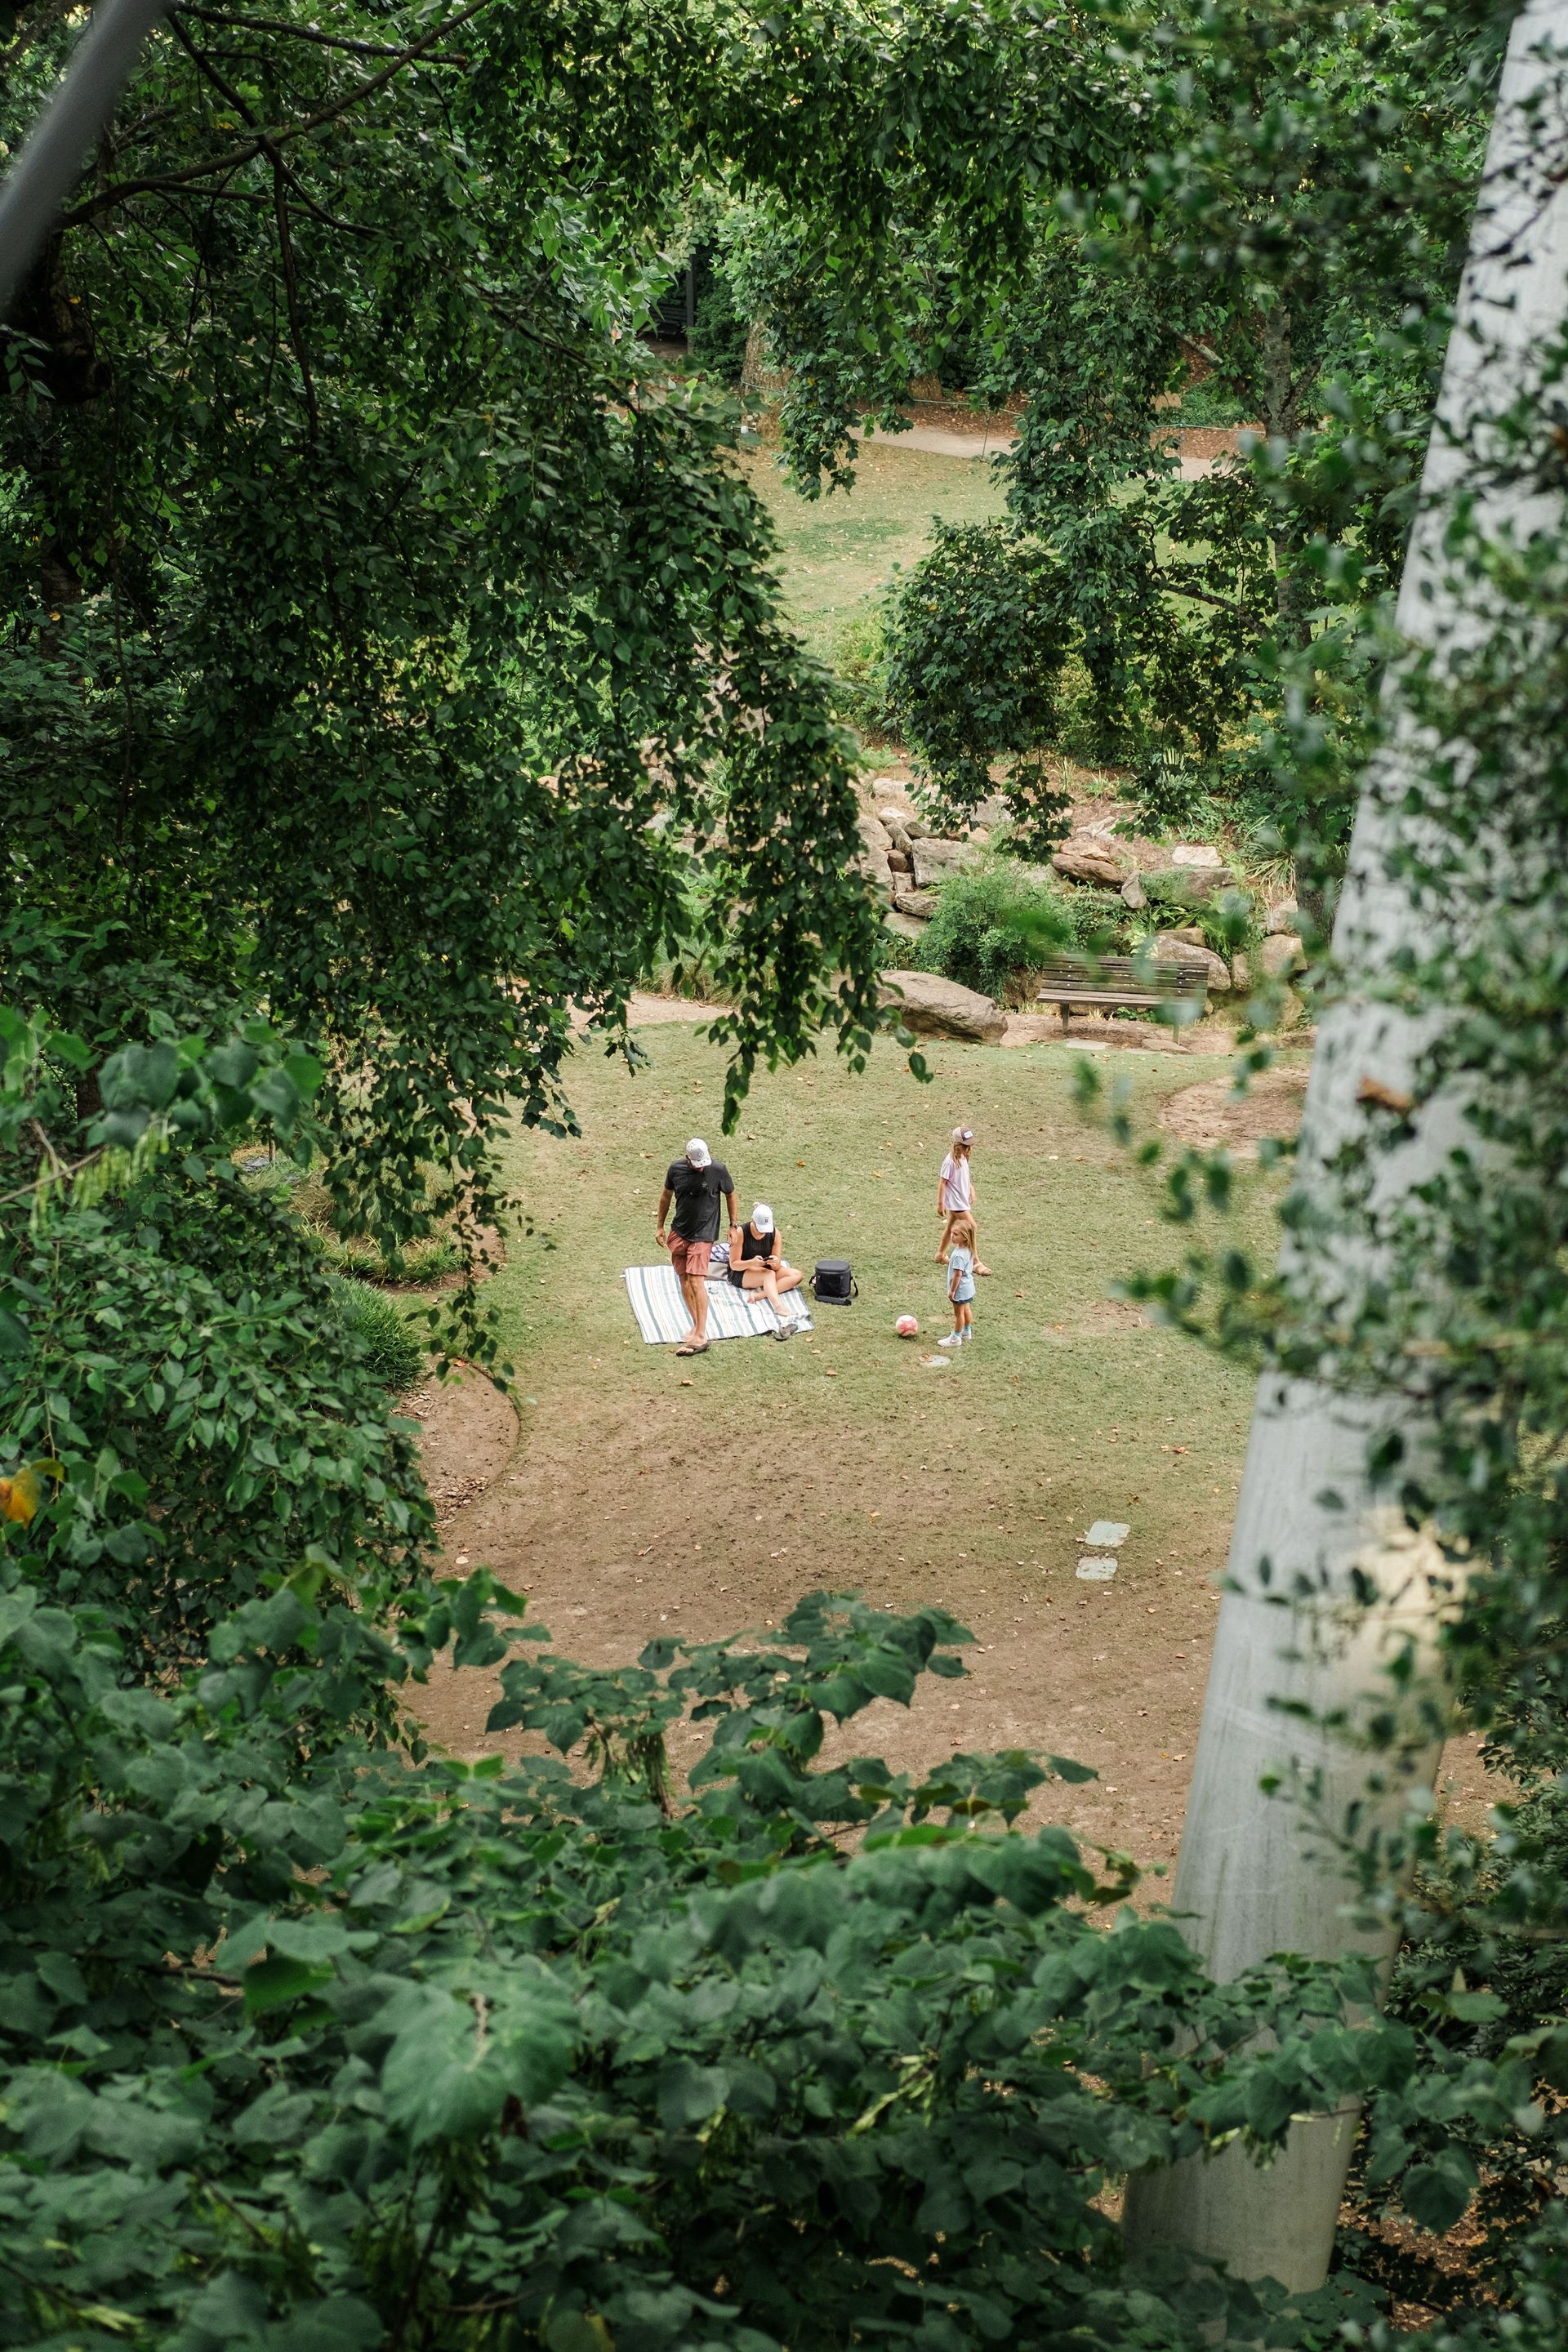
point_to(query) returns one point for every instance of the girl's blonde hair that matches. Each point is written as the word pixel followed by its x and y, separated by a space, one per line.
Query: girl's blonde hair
pixel 962 1233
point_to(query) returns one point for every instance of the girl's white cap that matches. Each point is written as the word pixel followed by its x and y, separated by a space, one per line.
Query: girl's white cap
pixel 964 1134
pixel 761 1218
pixel 697 1152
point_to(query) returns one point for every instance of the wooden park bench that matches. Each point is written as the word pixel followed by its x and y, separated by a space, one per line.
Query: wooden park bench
pixel 1095 983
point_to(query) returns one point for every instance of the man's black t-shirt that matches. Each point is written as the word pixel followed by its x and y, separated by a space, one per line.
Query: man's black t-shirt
pixel 698 1193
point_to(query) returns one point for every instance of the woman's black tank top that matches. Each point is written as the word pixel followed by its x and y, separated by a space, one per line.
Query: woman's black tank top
pixel 753 1245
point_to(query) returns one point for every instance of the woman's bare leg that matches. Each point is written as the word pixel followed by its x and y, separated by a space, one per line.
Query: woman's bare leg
pixel 768 1282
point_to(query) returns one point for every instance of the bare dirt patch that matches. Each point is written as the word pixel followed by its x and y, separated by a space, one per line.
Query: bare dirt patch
pixel 646 1010
pixel 1090 1029
pixel 468 1434
pixel 1212 1114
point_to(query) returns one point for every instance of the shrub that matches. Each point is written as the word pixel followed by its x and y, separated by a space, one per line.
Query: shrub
pixel 423 1260
pixel 995 925
pixel 976 636
pixel 1172 787
pixel 388 1349
pixel 311 2043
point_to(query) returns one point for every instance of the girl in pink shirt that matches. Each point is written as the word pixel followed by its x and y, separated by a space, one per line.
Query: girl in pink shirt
pixel 955 1193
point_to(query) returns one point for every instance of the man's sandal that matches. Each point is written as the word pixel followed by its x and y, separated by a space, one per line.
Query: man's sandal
pixel 700 1350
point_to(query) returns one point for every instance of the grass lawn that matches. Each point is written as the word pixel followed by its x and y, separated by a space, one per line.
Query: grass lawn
pixel 837 552
pixel 703 1496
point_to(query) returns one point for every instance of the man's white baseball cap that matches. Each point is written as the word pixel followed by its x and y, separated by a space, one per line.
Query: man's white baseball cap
pixel 964 1134
pixel 761 1218
pixel 697 1152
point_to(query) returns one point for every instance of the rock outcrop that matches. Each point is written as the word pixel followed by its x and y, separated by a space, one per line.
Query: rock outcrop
pixel 1182 947
pixel 935 1007
pixel 935 860
pixel 872 861
pixel 1087 857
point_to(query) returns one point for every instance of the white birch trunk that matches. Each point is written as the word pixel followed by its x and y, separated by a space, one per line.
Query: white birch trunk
pixel 1251 1876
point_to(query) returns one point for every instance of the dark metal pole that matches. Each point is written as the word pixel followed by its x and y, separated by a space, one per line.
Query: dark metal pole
pixel 42 176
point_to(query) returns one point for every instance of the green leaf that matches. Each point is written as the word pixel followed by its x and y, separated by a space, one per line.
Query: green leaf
pixel 272 1982
pixel 1436 2194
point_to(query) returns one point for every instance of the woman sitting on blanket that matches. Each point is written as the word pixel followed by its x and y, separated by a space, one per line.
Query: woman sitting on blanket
pixel 757 1262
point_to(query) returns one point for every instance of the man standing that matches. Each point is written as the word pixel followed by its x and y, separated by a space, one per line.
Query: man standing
pixel 955 1193
pixel 696 1185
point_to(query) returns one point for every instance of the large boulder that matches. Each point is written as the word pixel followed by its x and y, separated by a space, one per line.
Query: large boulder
pixel 895 822
pixel 1179 946
pixel 1186 884
pixel 1200 855
pixel 935 1007
pixel 1086 857
pixel 936 860
pixel 1278 955
pixel 872 861
pixel 907 927
pixel 1285 917
pixel 920 904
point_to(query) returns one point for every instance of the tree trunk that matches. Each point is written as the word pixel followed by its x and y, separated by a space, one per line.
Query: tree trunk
pixel 1282 422
pixel 1249 1878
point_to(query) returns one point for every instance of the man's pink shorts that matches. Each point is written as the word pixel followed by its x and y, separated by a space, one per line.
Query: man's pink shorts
pixel 690 1259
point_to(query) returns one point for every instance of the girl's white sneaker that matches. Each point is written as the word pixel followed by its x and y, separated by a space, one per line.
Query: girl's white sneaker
pixel 953 1339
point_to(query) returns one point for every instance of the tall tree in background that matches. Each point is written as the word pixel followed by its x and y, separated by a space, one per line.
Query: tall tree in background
pixel 1275 199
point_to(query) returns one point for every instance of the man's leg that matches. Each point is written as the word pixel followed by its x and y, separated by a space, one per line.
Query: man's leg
pixel 695 1293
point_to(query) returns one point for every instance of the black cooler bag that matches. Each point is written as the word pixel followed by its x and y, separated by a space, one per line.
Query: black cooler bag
pixel 833 1284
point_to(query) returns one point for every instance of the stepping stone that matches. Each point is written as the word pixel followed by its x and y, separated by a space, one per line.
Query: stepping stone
pixel 1097 1569
pixel 1108 1535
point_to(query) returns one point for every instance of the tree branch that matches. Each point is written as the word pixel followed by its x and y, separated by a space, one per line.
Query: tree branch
pixel 309 33
pixel 108 198
pixel 280 173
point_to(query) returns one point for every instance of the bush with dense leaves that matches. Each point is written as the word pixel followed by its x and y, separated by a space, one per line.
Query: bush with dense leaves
pixel 977 633
pixel 996 924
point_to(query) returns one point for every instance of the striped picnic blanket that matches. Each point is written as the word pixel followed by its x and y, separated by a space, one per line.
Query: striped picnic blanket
pixel 662 1319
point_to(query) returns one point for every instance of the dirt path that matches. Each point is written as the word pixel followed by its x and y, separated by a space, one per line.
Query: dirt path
pixel 1199 454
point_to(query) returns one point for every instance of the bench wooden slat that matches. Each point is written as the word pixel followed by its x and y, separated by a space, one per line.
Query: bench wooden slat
pixel 1128 981
pixel 1127 996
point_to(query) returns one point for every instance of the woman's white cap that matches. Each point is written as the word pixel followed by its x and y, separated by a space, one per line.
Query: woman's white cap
pixel 964 1134
pixel 761 1218
pixel 697 1152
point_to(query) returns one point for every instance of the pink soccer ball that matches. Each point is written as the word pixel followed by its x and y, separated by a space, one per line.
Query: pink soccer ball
pixel 908 1328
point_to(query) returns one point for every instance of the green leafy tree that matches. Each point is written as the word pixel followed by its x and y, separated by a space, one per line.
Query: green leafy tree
pixel 1280 198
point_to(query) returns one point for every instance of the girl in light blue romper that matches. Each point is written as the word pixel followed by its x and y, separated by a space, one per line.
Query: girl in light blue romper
pixel 960 1282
